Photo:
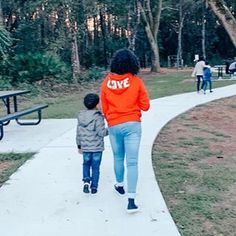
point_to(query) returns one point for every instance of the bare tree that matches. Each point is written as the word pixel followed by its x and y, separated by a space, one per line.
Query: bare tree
pixel 133 23
pixel 225 17
pixel 75 61
pixel 181 25
pixel 151 17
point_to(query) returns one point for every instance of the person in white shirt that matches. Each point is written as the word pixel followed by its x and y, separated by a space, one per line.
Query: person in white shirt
pixel 198 72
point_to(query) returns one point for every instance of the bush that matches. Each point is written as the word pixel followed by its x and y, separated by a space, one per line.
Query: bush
pixel 93 74
pixel 32 67
pixel 5 83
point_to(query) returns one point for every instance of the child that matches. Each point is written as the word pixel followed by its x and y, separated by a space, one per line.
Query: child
pixel 90 141
pixel 207 77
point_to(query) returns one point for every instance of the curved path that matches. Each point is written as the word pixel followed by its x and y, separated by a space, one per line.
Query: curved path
pixel 44 197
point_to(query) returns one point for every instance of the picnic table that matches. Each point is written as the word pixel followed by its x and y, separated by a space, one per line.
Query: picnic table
pixel 219 70
pixel 10 101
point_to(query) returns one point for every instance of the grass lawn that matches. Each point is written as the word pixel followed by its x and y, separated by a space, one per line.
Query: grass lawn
pixel 65 102
pixel 195 165
pixel 10 162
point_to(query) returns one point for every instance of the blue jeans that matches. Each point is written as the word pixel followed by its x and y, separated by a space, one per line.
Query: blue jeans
pixel 125 140
pixel 92 161
pixel 206 82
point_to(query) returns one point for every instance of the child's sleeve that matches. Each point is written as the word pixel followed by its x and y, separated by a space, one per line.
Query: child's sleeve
pixel 100 127
pixel 78 141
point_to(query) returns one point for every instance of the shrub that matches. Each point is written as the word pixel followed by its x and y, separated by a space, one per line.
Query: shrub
pixel 94 73
pixel 5 83
pixel 32 67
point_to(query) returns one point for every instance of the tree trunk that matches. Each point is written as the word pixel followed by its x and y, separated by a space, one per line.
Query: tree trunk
pixel 155 59
pixel 104 35
pixel 203 30
pixel 225 17
pixel 132 30
pixel 181 23
pixel 151 18
pixel 75 57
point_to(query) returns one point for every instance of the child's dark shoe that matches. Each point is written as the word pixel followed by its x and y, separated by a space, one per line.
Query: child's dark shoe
pixel 119 189
pixel 94 190
pixel 132 208
pixel 86 188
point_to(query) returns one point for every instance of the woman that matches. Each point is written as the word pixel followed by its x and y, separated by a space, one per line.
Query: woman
pixel 198 71
pixel 123 96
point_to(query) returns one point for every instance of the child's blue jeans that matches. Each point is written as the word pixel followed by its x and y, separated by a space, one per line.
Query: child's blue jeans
pixel 125 141
pixel 206 83
pixel 91 168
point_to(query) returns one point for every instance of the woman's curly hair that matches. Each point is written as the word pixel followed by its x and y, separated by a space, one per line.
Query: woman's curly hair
pixel 124 61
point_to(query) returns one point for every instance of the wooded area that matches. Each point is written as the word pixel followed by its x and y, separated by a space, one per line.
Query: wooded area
pixel 62 39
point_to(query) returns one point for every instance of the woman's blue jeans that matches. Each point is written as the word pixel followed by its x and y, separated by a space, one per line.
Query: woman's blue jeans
pixel 91 168
pixel 125 140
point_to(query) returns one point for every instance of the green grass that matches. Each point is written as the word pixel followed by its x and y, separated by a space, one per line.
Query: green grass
pixel 13 161
pixel 67 105
pixel 198 187
pixel 176 83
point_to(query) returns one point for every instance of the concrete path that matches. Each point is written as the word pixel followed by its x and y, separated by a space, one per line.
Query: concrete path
pixel 44 197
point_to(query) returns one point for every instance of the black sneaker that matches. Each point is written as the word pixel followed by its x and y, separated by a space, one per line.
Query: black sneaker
pixel 119 189
pixel 94 190
pixel 86 188
pixel 132 208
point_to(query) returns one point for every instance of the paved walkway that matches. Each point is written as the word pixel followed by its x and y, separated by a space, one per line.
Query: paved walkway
pixel 44 197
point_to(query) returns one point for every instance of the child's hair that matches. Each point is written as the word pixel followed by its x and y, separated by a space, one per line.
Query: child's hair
pixel 124 61
pixel 206 66
pixel 91 100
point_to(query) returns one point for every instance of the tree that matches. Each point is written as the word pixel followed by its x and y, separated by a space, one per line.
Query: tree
pixel 225 17
pixel 151 16
pixel 133 23
pixel 5 38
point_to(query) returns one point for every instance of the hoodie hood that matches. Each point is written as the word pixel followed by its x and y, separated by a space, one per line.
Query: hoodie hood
pixel 119 83
pixel 86 118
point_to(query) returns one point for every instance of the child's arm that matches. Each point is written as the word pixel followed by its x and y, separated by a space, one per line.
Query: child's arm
pixel 100 127
pixel 78 141
pixel 194 72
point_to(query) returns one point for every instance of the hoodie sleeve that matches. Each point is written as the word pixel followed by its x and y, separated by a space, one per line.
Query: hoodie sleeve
pixel 104 101
pixel 143 99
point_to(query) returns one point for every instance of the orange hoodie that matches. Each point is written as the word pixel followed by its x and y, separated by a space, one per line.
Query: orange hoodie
pixel 123 97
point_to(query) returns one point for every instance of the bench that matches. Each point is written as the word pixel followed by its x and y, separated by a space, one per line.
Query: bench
pixel 14 116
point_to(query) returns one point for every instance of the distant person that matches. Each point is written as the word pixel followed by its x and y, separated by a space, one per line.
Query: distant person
pixel 198 72
pixel 90 141
pixel 123 97
pixel 207 75
pixel 232 68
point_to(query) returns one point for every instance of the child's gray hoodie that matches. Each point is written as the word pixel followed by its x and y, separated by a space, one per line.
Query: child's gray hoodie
pixel 91 131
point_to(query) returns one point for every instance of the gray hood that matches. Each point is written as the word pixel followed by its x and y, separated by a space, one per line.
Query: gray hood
pixel 86 117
